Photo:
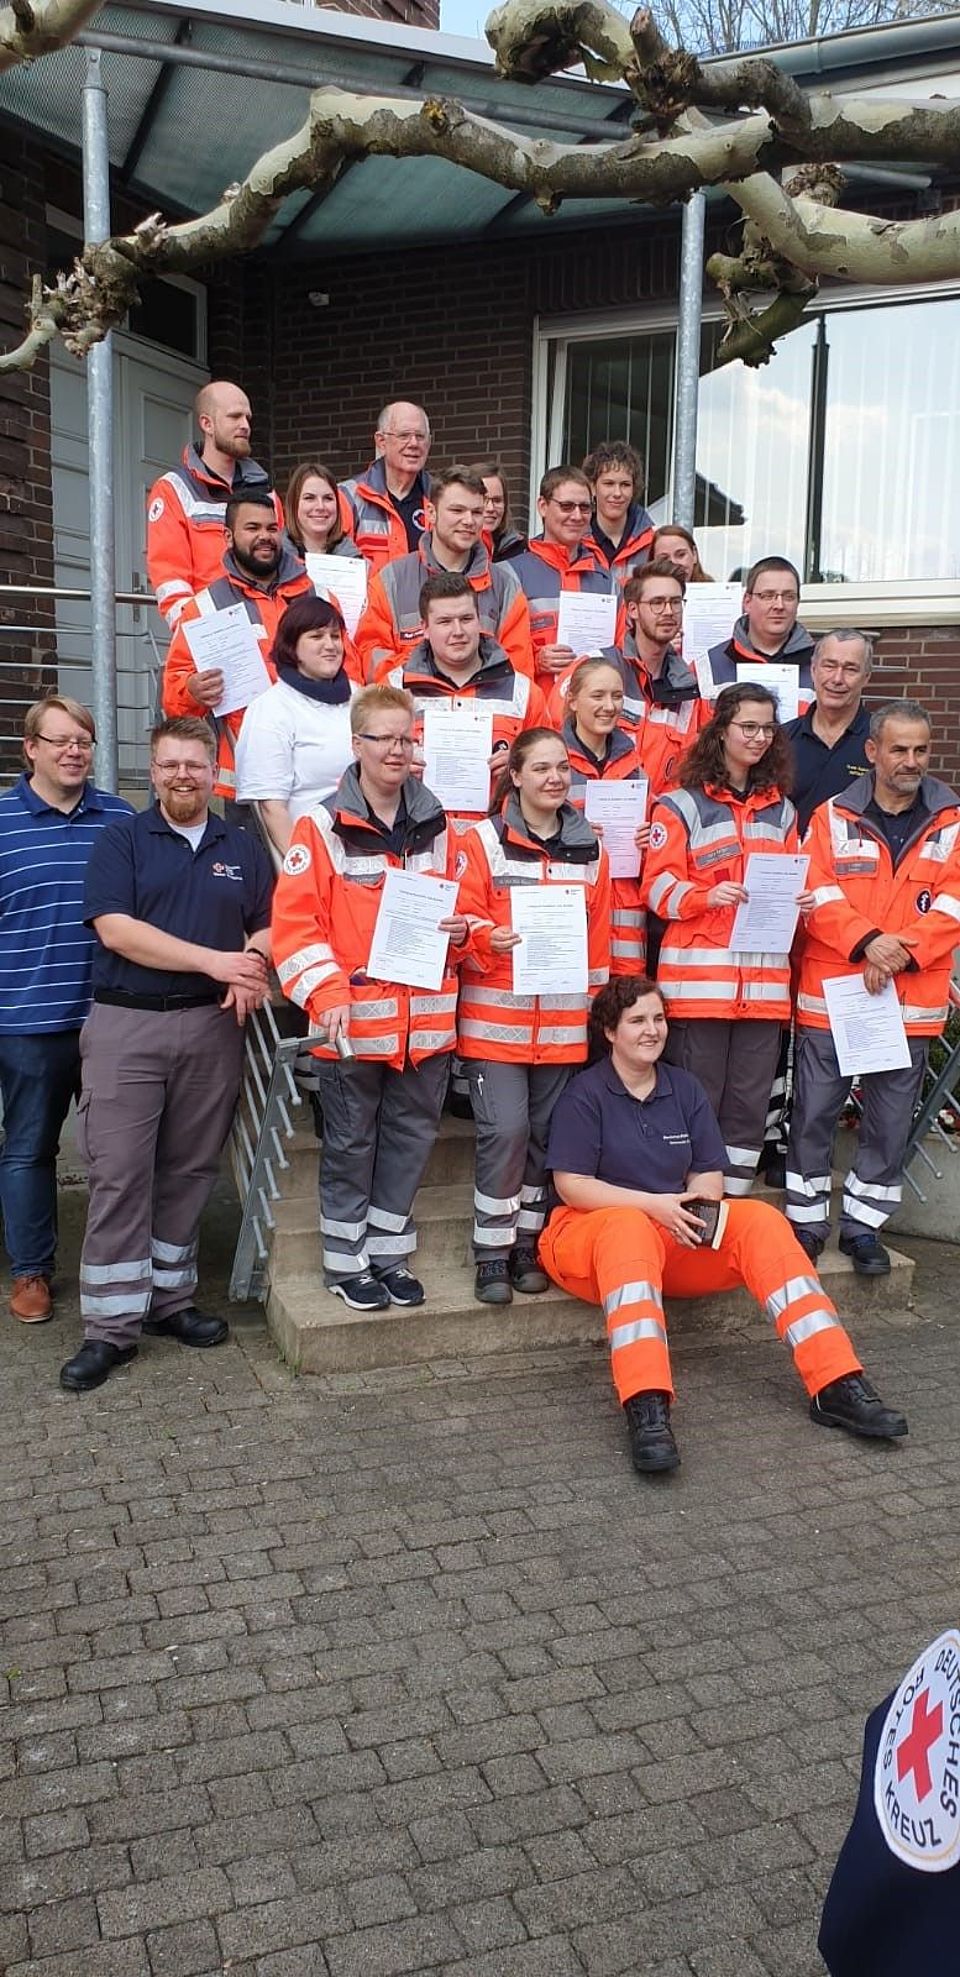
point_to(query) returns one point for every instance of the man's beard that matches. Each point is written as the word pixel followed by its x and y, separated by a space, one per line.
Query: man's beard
pixel 262 571
pixel 234 447
pixel 185 806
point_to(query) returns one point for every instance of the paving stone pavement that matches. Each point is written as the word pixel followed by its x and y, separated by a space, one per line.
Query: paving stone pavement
pixel 356 1677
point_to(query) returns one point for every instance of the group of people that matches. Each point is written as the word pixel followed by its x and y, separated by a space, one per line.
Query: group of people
pixel 618 1178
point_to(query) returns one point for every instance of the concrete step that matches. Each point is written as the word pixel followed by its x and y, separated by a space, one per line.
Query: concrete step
pixel 316 1333
pixel 450 1161
pixel 444 1218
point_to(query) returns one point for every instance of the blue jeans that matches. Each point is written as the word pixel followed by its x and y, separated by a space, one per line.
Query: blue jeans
pixel 39 1075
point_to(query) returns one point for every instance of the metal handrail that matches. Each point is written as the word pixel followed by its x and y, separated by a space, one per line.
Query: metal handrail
pixel 137 681
pixel 79 596
pixel 261 1129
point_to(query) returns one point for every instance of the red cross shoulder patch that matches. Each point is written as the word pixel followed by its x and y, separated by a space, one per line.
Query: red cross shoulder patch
pixel 916 1782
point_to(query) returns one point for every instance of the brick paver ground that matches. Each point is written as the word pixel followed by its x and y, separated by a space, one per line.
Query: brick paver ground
pixel 364 1677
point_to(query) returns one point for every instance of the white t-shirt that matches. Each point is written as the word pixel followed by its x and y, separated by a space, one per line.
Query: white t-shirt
pixel 292 749
pixel 192 832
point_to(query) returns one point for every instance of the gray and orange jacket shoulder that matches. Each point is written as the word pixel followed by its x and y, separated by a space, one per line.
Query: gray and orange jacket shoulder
pixel 371 517
pixel 632 551
pixel 797 650
pixel 185 513
pixel 391 623
pixel 544 571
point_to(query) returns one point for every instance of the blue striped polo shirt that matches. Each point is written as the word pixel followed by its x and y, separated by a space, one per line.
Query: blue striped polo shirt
pixel 46 952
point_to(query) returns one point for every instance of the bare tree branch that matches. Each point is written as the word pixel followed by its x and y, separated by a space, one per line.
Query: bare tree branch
pixel 28 31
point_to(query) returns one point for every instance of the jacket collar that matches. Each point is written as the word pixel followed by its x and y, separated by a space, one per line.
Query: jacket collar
pixel 934 795
pixel 420 664
pixel 575 833
pixel 246 473
pixel 374 482
pixel 289 570
pixel 797 646
pixel 349 801
pixel 477 564
pixel 567 561
pixel 620 743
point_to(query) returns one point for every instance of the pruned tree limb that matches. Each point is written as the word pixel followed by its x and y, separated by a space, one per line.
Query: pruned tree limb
pixel 31 28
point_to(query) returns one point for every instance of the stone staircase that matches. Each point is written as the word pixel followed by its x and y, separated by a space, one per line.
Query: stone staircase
pixel 317 1333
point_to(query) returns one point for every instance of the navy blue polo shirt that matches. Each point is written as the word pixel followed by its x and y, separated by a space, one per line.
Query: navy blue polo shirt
pixel 214 896
pixel 599 1129
pixel 46 952
pixel 820 772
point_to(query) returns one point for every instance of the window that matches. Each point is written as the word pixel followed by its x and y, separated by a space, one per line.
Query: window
pixel 843 453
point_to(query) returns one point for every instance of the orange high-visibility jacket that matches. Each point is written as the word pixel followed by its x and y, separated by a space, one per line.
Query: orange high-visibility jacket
pixel 265 608
pixel 494 857
pixel 665 714
pixel 512 700
pixel 545 570
pixel 378 531
pixel 185 514
pixel 634 546
pixel 796 650
pixel 324 912
pixel 698 838
pixel 628 921
pixel 859 894
pixel 391 621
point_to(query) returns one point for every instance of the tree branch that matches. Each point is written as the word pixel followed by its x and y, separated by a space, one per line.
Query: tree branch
pixel 532 40
pixel 31 28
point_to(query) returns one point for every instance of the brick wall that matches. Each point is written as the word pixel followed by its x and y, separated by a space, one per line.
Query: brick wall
pixel 26 518
pixel 924 665
pixel 410 13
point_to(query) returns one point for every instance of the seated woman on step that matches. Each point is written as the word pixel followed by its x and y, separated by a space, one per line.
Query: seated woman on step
pixel 637 1161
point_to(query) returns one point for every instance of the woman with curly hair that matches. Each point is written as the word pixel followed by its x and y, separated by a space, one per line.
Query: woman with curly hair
pixel 726 1008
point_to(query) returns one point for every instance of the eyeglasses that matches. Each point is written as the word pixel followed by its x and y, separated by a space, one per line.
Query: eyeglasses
pixel 406 436
pixel 62 744
pixel 664 604
pixel 386 742
pixel 751 729
pixel 194 769
pixel 777 596
pixel 572 507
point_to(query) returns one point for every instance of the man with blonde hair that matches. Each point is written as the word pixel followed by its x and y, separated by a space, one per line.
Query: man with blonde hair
pixel 49 822
pixel 186 507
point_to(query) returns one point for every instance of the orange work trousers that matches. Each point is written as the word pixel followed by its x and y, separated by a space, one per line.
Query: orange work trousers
pixel 621 1259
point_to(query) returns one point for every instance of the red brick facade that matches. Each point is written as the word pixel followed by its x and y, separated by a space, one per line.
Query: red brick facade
pixel 26 514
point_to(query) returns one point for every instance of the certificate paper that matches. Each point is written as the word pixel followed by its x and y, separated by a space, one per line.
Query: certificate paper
pixel 457 745
pixel 784 681
pixel 867 1030
pixel 767 921
pixel 585 622
pixel 346 578
pixel 552 956
pixel 710 611
pixel 408 946
pixel 225 642
pixel 621 808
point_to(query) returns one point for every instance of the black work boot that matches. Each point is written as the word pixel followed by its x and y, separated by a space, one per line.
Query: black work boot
pixel 525 1272
pixel 652 1446
pixel 852 1403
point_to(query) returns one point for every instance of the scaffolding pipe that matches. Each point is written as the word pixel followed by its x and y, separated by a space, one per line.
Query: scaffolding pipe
pixel 688 361
pixel 103 634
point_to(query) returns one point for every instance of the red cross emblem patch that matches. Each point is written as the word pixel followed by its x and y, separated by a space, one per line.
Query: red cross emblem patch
pixel 916 1783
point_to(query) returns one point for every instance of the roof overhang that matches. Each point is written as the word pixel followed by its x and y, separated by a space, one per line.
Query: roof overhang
pixel 196 94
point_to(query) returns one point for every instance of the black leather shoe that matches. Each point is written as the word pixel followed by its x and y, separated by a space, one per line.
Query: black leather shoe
pixel 491 1284
pixel 852 1403
pixel 867 1254
pixel 525 1272
pixel 93 1364
pixel 190 1326
pixel 812 1245
pixel 651 1437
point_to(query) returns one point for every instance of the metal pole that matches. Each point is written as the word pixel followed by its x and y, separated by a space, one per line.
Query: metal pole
pixel 688 361
pixel 103 624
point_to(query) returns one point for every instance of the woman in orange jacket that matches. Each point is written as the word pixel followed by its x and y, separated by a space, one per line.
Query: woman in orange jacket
pixel 520 1049
pixel 726 1007
pixel 600 750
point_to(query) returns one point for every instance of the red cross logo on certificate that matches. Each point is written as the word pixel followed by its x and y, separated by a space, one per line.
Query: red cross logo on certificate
pixel 913 1754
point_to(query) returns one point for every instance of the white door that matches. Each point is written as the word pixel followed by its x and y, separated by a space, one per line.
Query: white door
pixel 153 421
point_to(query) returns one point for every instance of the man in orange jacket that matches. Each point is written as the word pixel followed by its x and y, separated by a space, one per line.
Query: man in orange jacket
pixel 560 560
pixel 387 503
pixel 885 875
pixel 258 572
pixel 186 507
pixel 392 622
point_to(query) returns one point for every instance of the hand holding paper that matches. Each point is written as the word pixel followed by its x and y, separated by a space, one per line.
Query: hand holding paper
pixel 867 1028
pixel 766 921
pixel 551 958
pixel 225 642
pixel 410 939
pixel 585 622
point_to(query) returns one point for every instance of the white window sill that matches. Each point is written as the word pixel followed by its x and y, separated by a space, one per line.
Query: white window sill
pixel 878 606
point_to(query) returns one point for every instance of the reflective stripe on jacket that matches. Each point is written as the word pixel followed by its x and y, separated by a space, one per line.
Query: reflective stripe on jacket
pixel 378 531
pixel 633 549
pixel 498 855
pixel 391 622
pixel 264 608
pixel 628 921
pixel 512 700
pixel 543 571
pixel 859 893
pixel 796 650
pixel 185 517
pixel 699 838
pixel 324 912
pixel 664 714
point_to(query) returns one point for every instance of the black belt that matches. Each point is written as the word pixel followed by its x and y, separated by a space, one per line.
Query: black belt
pixel 127 999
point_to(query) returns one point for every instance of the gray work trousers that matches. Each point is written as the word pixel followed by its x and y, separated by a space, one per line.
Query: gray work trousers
pixel 512 1104
pixel 873 1188
pixel 379 1129
pixel 159 1093
pixel 736 1062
